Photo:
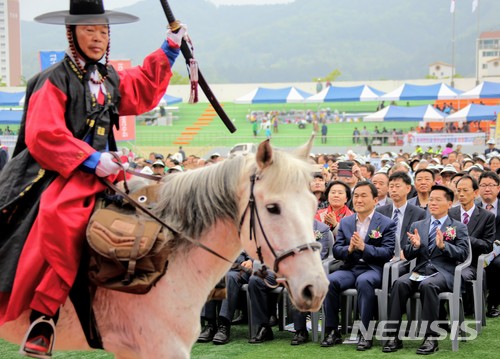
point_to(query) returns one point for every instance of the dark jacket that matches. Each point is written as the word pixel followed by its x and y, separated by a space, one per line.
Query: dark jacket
pixel 377 251
pixel 481 228
pixel 445 260
pixel 411 215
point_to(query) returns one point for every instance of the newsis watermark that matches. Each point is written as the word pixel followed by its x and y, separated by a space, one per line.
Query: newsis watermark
pixel 386 329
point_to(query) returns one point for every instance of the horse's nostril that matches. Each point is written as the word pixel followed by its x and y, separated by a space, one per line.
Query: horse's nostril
pixel 307 293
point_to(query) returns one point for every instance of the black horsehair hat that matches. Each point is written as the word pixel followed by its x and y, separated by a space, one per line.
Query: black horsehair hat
pixel 86 12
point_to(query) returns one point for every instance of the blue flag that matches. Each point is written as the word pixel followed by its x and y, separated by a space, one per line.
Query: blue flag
pixel 49 58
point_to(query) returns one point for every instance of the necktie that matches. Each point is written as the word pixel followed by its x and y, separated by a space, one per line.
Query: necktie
pixel 395 218
pixel 466 218
pixel 432 235
pixel 489 207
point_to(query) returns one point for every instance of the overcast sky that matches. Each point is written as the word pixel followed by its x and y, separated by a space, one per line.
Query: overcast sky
pixel 32 8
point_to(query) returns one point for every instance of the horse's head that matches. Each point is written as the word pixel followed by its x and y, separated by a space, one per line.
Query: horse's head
pixel 277 211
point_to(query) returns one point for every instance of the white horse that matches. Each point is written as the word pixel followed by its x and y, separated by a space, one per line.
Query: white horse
pixel 213 206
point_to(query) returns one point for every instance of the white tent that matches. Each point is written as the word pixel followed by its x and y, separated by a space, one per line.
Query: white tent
pixel 404 113
pixel 408 92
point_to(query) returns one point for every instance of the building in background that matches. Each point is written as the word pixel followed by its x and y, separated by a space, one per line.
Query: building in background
pixel 10 43
pixel 493 67
pixel 488 54
pixel 440 70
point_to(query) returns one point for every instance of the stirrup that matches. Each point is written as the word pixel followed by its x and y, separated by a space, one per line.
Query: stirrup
pixel 47 355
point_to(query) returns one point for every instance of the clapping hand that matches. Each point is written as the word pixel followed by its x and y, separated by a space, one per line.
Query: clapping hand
pixel 439 239
pixel 331 219
pixel 356 243
pixel 414 238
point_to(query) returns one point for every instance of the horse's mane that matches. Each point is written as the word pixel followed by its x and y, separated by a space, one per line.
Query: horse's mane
pixel 192 201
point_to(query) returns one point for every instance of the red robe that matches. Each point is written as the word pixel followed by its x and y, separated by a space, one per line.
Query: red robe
pixel 50 257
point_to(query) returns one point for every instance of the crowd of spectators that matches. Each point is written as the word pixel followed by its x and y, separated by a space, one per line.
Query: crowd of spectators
pixel 430 185
pixel 434 185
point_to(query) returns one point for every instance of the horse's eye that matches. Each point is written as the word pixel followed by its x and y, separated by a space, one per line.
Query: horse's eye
pixel 273 208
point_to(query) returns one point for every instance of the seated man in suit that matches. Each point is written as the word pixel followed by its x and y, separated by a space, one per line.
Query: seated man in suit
pixel 401 212
pixel 238 275
pixel 365 242
pixel 489 189
pixel 480 225
pixel 438 243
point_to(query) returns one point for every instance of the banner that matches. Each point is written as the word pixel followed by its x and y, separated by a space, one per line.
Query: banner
pixel 127 123
pixel 434 139
pixel 49 58
pixel 452 6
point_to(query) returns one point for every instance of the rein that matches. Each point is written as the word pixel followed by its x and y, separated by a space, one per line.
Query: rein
pixel 278 257
pixel 140 207
pixel 254 218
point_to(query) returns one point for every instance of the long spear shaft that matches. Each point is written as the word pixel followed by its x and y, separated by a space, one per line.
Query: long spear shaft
pixel 186 52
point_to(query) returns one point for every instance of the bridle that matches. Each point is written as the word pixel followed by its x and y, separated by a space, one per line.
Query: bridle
pixel 254 218
pixel 278 256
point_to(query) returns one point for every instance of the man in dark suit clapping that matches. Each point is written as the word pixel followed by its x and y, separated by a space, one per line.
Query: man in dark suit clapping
pixel 400 211
pixel 438 243
pixel 365 242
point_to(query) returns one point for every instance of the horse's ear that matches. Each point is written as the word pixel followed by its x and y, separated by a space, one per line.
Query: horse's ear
pixel 264 156
pixel 304 150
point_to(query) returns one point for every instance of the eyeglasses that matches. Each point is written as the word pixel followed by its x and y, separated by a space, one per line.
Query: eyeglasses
pixel 484 185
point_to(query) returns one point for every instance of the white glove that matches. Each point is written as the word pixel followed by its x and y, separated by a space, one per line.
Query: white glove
pixel 178 36
pixel 107 165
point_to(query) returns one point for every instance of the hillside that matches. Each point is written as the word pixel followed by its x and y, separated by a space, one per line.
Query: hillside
pixel 364 39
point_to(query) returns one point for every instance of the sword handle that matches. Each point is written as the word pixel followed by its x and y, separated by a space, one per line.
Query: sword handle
pixel 186 51
pixel 168 11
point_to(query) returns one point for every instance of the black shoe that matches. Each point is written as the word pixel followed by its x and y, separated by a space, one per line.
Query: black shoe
pixel 392 345
pixel 207 333
pixel 264 334
pixel 300 337
pixel 429 346
pixel 222 335
pixel 364 344
pixel 333 338
pixel 492 312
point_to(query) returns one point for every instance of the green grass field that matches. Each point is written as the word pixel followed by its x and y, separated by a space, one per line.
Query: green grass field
pixel 161 138
pixel 487 345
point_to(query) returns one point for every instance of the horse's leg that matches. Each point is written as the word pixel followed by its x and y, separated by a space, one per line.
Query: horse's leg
pixel 140 326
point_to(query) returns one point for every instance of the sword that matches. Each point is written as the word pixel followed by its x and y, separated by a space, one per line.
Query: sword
pixel 186 51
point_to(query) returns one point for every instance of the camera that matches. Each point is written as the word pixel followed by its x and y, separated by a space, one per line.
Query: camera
pixel 345 169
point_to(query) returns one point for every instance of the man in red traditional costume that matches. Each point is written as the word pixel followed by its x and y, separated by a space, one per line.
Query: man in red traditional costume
pixel 47 193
